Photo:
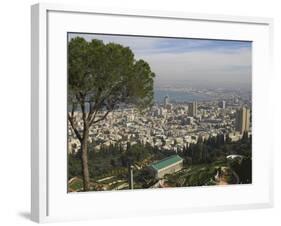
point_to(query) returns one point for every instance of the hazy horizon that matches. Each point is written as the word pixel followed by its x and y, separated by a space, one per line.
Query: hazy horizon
pixel 184 62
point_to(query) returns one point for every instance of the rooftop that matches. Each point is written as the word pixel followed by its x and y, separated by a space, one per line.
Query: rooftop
pixel 166 162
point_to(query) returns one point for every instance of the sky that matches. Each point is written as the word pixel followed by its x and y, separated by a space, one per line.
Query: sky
pixel 183 62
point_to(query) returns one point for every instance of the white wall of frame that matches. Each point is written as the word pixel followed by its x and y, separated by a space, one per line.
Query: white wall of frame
pixel 15 111
pixel 164 201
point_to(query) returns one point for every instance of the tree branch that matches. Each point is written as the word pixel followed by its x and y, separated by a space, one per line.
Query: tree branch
pixel 94 110
pixel 102 118
pixel 70 119
pixel 81 99
pixel 110 108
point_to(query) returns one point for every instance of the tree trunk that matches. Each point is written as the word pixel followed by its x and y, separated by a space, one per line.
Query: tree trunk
pixel 84 158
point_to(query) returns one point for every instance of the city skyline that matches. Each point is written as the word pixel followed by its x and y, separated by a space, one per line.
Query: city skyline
pixel 183 62
pixel 167 112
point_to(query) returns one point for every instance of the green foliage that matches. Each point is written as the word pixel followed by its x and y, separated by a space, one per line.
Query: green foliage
pixel 113 160
pixel 106 75
pixel 201 162
pixel 76 184
pixel 217 148
pixel 144 178
pixel 74 166
pixel 102 77
pixel 243 169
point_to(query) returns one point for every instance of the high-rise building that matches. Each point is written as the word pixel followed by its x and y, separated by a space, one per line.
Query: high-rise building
pixel 243 120
pixel 192 109
pixel 222 104
pixel 166 100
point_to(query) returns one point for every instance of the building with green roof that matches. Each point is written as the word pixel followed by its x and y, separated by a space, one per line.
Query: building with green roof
pixel 168 165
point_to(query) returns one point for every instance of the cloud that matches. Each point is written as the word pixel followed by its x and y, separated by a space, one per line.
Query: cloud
pixel 204 65
pixel 219 62
pixel 139 45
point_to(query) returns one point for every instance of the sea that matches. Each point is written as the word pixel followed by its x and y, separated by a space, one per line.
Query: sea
pixel 180 96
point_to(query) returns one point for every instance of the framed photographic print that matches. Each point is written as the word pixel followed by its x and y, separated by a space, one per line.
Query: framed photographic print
pixel 142 112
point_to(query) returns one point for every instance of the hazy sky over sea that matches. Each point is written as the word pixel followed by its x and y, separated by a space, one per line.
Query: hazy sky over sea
pixel 179 62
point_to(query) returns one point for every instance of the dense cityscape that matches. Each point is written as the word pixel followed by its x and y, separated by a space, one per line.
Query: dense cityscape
pixel 157 112
pixel 170 127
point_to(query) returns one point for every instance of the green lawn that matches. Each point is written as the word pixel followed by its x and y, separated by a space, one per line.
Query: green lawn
pixel 195 175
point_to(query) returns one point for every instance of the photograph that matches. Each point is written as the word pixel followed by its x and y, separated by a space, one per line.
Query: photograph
pixel 147 112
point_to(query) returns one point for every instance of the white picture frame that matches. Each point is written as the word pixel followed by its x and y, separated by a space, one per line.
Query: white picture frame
pixel 49 23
